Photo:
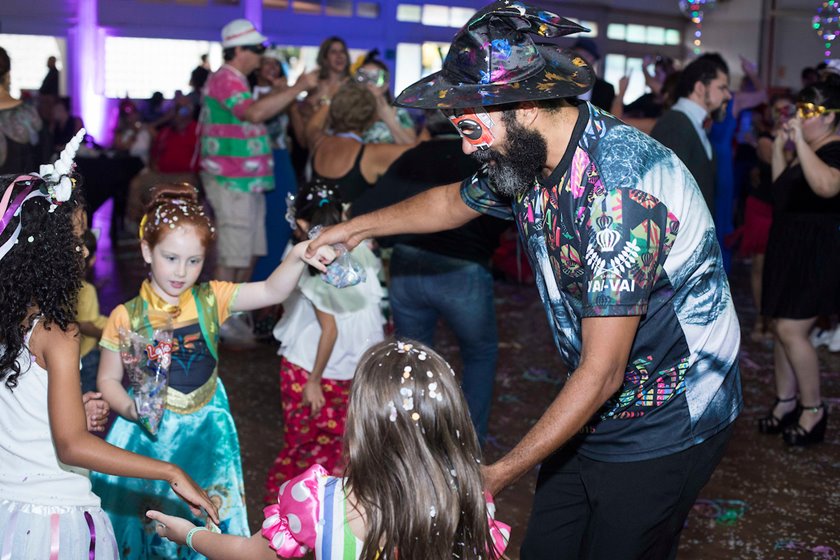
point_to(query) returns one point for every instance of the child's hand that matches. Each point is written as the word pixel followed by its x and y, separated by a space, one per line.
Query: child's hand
pixel 319 259
pixel 173 528
pixel 196 498
pixel 313 396
pixel 96 411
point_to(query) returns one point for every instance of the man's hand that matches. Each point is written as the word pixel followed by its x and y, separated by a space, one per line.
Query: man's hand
pixel 96 411
pixel 495 478
pixel 340 233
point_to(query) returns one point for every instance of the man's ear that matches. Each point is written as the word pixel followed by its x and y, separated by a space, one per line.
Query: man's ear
pixel 527 112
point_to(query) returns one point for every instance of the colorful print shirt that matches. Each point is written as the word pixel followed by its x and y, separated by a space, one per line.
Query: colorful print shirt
pixel 234 151
pixel 620 228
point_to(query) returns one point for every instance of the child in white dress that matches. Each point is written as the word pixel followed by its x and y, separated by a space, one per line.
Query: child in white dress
pixel 322 334
pixel 47 508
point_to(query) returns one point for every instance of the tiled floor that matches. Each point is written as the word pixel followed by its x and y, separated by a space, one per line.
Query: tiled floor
pixel 764 501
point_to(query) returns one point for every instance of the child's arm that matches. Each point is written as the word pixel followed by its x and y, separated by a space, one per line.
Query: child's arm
pixel 213 545
pixel 284 279
pixel 109 383
pixel 58 352
pixel 312 392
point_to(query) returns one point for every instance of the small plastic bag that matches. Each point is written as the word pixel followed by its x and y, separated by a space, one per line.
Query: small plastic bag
pixel 147 364
pixel 344 271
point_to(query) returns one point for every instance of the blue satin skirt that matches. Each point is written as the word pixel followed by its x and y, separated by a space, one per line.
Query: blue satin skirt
pixel 205 445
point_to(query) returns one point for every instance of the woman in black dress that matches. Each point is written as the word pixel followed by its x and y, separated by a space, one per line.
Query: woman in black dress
pixel 802 265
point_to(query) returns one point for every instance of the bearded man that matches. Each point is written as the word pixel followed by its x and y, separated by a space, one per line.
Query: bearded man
pixel 628 269
pixel 702 92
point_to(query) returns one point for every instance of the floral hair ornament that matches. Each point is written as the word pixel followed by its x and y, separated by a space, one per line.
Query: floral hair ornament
pixel 52 182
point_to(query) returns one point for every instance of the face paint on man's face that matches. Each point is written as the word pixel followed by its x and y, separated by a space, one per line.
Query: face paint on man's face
pixel 475 125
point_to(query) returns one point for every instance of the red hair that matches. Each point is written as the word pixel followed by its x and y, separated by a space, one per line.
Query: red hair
pixel 174 205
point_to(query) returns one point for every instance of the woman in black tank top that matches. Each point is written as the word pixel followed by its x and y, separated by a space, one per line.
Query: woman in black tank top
pixel 350 112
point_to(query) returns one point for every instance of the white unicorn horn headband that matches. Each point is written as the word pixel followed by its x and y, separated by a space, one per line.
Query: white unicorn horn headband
pixel 52 182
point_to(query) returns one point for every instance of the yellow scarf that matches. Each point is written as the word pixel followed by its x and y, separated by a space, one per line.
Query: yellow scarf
pixel 159 305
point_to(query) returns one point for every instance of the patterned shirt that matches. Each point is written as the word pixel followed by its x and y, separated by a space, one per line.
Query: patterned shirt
pixel 620 229
pixel 234 151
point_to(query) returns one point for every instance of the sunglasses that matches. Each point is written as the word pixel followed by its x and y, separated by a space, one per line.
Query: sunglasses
pixel 374 77
pixel 256 49
pixel 809 110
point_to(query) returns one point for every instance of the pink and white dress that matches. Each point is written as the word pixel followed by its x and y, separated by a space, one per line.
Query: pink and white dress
pixel 310 514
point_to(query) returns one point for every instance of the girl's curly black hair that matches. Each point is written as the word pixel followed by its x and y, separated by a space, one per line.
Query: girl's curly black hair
pixel 39 277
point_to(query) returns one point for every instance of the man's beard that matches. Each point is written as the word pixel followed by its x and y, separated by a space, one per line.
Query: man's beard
pixel 514 173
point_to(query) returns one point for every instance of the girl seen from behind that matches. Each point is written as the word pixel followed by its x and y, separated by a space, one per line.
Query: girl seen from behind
pixel 196 428
pixel 412 489
pixel 47 507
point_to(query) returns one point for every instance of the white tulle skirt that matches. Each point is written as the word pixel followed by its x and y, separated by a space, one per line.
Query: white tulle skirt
pixel 37 532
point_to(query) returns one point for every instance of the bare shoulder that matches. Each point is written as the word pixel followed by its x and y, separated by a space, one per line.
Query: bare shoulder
pixel 50 339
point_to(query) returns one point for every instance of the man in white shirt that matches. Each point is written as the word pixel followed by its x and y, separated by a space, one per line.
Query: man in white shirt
pixel 702 92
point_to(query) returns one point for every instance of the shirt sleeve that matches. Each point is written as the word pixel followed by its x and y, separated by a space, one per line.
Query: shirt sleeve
pixel 291 524
pixel 233 94
pixel 226 293
pixel 477 193
pixel 111 333
pixel 625 252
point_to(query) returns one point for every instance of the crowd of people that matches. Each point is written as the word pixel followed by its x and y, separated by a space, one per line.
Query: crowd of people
pixel 628 213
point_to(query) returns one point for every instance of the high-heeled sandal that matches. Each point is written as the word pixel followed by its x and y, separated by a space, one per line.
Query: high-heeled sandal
pixel 771 424
pixel 798 436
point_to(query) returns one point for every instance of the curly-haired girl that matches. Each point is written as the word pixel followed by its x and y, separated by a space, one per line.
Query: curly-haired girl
pixel 412 490
pixel 197 428
pixel 47 508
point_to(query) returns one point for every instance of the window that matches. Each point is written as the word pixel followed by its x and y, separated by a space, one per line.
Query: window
pixel 309 7
pixel 414 61
pixel 617 31
pixel 342 8
pixel 29 54
pixel 367 9
pixel 647 34
pixel 139 67
pixel 409 12
pixel 616 66
pixel 434 14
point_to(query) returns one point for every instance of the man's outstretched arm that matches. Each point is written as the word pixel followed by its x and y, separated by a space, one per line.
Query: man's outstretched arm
pixel 606 347
pixel 437 209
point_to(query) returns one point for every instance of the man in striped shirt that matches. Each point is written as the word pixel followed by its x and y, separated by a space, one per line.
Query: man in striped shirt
pixel 236 161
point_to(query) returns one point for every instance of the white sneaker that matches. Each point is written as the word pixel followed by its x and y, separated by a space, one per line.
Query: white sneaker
pixel 820 337
pixel 834 342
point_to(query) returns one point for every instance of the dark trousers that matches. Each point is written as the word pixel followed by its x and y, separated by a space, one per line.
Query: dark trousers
pixel 426 286
pixel 596 510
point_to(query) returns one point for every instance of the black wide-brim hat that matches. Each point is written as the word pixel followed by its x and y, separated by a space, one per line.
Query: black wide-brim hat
pixel 494 60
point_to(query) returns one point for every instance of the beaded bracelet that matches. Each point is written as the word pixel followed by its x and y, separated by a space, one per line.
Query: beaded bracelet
pixel 190 535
